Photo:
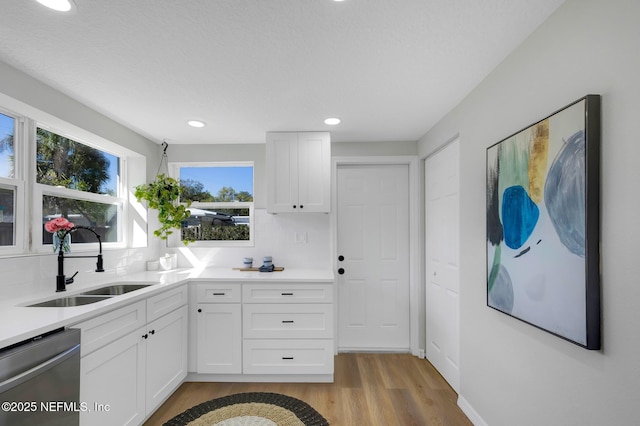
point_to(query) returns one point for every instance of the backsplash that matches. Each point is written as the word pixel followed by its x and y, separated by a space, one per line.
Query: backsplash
pixel 293 240
pixel 29 275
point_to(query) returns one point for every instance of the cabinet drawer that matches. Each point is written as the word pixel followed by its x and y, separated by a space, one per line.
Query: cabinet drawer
pixel 287 293
pixel 287 356
pixel 219 293
pixel 286 321
pixel 108 327
pixel 166 302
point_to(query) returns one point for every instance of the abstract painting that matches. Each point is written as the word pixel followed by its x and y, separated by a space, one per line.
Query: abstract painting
pixel 543 224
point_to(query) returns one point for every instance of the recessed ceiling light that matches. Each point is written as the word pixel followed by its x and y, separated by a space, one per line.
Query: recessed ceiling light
pixel 59 5
pixel 332 121
pixel 196 123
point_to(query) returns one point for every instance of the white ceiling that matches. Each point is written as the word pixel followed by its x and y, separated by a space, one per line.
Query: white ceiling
pixel 390 69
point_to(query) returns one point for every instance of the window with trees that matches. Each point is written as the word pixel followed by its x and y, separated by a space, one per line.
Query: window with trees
pixel 7 129
pixel 78 182
pixel 221 196
pixel 8 183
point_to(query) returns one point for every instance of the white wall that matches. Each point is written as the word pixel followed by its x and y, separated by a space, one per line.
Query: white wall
pixel 513 373
pixel 275 235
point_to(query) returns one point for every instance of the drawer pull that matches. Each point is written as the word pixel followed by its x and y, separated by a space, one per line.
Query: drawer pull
pixel 287 357
pixel 287 294
pixel 219 294
pixel 287 321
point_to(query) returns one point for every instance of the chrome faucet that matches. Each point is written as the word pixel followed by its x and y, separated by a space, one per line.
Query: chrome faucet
pixel 61 280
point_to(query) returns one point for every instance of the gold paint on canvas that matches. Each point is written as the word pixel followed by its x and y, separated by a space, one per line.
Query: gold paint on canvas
pixel 538 153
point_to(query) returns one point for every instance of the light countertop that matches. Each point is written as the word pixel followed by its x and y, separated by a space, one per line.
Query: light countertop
pixel 19 322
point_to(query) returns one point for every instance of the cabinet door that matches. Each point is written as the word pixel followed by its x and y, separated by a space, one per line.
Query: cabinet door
pixel 314 172
pixel 282 172
pixel 112 382
pixel 219 338
pixel 166 356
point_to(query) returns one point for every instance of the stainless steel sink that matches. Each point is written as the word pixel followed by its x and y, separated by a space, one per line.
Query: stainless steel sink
pixel 69 301
pixel 93 296
pixel 117 289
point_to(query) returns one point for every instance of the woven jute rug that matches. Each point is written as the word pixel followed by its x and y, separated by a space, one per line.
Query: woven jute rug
pixel 250 409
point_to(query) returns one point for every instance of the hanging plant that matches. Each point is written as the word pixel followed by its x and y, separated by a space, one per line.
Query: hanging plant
pixel 163 194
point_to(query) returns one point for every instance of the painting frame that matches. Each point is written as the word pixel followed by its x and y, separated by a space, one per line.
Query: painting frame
pixel 543 224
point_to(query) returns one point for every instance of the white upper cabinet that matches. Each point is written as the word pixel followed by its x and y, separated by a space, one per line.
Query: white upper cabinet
pixel 298 172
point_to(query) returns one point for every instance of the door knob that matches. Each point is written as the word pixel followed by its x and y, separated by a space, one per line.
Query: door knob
pixel 341 271
pixel 341 258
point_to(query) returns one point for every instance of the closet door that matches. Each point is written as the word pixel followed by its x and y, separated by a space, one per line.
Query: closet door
pixel 442 243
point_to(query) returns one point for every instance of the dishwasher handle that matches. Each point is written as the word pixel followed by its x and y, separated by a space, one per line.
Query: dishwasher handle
pixel 28 374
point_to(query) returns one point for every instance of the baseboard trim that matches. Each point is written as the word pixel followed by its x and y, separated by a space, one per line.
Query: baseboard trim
pixel 470 412
pixel 261 378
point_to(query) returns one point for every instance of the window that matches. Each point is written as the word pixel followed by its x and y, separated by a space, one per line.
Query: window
pixel 63 162
pixel 221 196
pixel 80 183
pixel 7 159
pixel 11 189
pixel 7 213
pixel 50 168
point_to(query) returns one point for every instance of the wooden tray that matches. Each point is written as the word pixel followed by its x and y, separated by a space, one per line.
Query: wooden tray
pixel 275 269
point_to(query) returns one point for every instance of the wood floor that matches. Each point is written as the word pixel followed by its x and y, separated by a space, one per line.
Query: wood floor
pixel 369 389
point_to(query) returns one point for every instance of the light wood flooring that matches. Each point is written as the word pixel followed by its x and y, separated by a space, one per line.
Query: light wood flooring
pixel 369 389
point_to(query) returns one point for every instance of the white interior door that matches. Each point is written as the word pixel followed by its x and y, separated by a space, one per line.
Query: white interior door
pixel 442 216
pixel 373 239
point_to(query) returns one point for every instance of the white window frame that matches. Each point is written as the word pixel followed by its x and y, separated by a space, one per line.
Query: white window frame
pixel 28 223
pixel 174 240
pixel 17 184
pixel 40 190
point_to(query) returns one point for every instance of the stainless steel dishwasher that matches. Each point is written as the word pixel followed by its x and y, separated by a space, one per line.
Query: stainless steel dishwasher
pixel 40 380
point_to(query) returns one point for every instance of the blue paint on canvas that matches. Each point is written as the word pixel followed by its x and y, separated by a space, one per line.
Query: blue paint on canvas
pixel 501 293
pixel 564 194
pixel 519 216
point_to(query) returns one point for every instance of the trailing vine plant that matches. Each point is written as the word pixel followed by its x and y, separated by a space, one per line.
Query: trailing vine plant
pixel 163 194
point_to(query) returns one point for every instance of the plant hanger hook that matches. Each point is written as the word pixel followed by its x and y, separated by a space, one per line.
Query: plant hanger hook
pixel 164 159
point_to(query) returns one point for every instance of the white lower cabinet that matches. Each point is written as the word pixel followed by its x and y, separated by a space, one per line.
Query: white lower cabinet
pixel 125 378
pixel 219 334
pixel 166 362
pixel 263 331
pixel 287 329
pixel 218 318
pixel 112 382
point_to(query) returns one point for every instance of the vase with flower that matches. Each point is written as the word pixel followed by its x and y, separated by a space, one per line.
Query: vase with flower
pixel 61 238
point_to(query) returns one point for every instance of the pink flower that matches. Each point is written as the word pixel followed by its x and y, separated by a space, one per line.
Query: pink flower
pixel 58 224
